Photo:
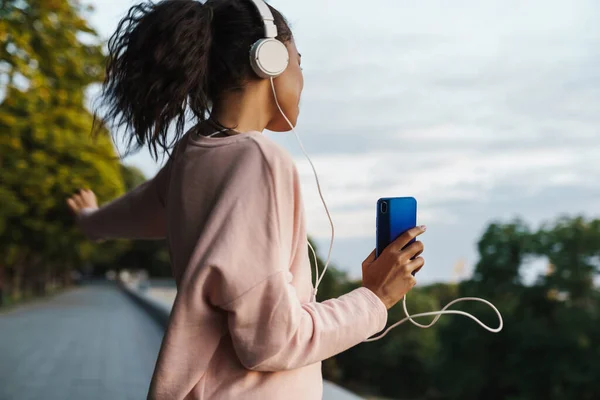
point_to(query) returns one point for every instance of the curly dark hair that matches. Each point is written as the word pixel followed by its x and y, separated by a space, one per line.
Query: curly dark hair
pixel 174 59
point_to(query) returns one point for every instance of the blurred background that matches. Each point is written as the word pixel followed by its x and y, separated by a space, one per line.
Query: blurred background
pixel 487 112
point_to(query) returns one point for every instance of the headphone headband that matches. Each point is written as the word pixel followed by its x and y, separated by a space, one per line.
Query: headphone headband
pixel 267 17
pixel 268 56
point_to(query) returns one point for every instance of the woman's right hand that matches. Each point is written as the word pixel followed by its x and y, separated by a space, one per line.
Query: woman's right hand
pixel 390 276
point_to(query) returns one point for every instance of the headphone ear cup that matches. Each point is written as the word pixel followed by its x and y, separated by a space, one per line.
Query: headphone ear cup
pixel 269 58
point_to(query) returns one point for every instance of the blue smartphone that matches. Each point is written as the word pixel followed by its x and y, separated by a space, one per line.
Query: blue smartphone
pixel 395 215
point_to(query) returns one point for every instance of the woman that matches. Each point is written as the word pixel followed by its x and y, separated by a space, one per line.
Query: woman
pixel 243 325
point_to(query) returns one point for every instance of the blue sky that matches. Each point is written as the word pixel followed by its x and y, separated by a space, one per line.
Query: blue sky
pixel 481 110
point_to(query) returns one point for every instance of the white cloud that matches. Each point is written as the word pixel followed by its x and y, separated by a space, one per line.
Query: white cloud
pixel 355 181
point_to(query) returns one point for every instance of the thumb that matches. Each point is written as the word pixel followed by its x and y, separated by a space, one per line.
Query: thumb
pixel 369 259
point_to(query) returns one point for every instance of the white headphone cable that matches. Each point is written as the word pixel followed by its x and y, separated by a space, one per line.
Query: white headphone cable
pixel 318 278
pixel 409 317
pixel 443 311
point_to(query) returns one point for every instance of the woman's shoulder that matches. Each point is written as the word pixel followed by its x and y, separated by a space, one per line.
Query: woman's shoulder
pixel 273 154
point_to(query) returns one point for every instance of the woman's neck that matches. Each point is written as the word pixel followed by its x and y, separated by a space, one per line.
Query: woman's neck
pixel 246 110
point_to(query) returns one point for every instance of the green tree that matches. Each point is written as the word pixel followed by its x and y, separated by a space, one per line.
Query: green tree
pixel 571 245
pixel 502 250
pixel 472 362
pixel 46 150
pixel 547 349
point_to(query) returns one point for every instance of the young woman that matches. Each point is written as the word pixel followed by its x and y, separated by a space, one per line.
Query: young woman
pixel 244 324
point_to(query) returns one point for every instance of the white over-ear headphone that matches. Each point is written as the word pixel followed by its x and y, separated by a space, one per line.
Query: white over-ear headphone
pixel 268 56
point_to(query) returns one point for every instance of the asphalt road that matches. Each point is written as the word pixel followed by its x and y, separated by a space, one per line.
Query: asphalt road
pixel 88 343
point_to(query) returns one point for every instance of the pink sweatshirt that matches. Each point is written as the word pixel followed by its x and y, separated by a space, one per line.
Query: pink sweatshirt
pixel 243 325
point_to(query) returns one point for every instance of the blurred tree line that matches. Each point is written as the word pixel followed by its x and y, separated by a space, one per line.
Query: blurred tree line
pixel 549 348
pixel 49 56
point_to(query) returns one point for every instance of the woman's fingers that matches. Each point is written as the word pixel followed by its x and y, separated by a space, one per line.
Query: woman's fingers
pixel 393 274
pixel 415 265
pixel 79 200
pixel 405 238
pixel 413 250
pixel 82 198
pixel 88 199
pixel 72 205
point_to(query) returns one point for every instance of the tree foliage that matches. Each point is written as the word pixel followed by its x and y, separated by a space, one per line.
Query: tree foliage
pixel 46 149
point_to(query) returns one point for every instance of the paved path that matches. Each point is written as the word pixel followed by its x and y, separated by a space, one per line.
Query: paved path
pixel 88 343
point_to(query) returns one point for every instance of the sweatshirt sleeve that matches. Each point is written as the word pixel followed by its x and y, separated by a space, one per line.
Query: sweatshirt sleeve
pixel 270 328
pixel 139 214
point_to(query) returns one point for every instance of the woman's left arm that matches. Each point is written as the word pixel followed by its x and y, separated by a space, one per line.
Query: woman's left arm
pixel 139 214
